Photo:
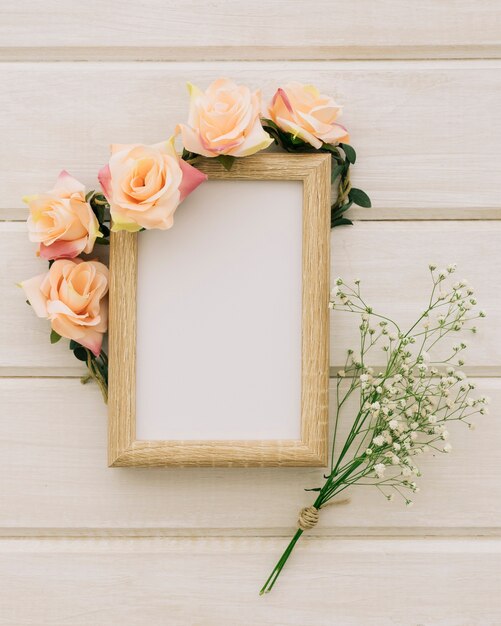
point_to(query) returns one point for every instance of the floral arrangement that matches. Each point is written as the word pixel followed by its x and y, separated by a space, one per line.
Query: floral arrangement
pixel 143 185
pixel 404 409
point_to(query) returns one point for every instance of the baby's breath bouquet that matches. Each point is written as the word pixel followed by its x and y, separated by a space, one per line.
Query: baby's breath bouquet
pixel 404 407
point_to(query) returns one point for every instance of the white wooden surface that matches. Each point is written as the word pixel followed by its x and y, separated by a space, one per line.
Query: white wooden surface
pixel 83 544
pixel 212 582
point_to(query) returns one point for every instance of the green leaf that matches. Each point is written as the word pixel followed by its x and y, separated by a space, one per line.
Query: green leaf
pixel 336 171
pixel 89 195
pixel 296 141
pixel 314 489
pixel 189 156
pixel 54 337
pixel 336 157
pixel 102 241
pixel 270 123
pixel 226 161
pixel 351 155
pixel 357 196
pixel 328 147
pixel 80 353
pixel 342 221
pixel 74 345
pixel 100 198
pixel 342 208
pixel 98 210
pixel 105 231
pixel 28 302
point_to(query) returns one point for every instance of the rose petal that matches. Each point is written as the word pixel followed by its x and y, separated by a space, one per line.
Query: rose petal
pixel 282 95
pixel 297 131
pixel 120 222
pixel 32 289
pixel 69 184
pixel 192 143
pixel 104 178
pixel 63 249
pixel 87 337
pixel 258 139
pixel 191 179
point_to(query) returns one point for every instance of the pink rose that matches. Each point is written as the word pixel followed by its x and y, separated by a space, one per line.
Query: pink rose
pixel 145 184
pixel 225 119
pixel 61 221
pixel 304 112
pixel 72 296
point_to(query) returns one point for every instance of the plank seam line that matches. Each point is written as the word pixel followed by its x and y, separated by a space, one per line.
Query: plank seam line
pixel 38 59
pixel 211 53
pixel 218 533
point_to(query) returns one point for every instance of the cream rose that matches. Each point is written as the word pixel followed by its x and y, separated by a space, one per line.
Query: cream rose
pixel 61 221
pixel 145 184
pixel 304 112
pixel 225 119
pixel 72 295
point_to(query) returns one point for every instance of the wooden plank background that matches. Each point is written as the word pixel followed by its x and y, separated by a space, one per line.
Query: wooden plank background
pixel 84 544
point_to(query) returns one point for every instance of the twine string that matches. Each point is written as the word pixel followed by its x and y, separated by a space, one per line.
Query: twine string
pixel 309 515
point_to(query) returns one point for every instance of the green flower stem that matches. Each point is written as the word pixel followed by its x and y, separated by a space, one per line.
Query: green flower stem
pixel 327 491
pixel 268 585
pixel 344 188
pixel 98 371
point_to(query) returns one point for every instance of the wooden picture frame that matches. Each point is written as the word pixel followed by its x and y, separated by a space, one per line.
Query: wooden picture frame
pixel 311 448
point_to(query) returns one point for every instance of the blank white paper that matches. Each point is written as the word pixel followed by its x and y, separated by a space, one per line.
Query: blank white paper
pixel 219 316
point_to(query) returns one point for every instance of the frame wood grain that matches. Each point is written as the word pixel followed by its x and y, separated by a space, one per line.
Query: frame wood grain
pixel 311 449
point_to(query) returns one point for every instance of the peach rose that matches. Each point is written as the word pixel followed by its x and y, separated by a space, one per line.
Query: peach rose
pixel 61 221
pixel 304 112
pixel 145 184
pixel 225 119
pixel 72 296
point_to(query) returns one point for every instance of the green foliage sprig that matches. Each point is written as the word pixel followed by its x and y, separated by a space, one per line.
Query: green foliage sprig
pixel 343 156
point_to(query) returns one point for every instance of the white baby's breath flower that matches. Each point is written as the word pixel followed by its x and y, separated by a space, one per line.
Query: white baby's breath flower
pixel 415 394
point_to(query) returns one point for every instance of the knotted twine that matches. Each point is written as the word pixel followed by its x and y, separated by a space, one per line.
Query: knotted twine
pixel 309 515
